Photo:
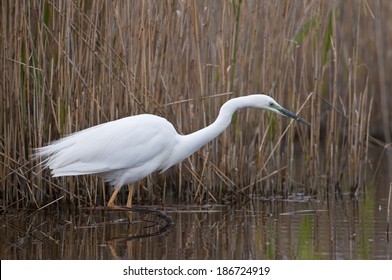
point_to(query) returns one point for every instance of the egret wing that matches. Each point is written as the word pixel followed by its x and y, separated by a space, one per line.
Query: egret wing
pixel 122 144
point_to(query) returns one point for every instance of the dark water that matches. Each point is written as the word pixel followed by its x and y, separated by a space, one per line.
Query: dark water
pixel 301 228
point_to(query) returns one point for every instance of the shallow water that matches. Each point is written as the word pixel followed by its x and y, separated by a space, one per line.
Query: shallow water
pixel 301 228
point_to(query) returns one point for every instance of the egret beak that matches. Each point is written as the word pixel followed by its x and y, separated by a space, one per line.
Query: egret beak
pixel 287 113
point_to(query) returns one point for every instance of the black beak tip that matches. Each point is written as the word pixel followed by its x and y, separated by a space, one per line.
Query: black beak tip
pixel 294 116
pixel 304 121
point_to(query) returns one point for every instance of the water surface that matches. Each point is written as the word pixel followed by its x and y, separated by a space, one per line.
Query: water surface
pixel 298 228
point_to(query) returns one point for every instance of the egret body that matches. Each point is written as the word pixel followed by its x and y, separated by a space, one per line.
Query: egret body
pixel 125 151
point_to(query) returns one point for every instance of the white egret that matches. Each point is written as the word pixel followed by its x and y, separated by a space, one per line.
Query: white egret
pixel 125 151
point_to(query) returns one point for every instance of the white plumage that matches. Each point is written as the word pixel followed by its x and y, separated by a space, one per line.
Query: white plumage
pixel 129 149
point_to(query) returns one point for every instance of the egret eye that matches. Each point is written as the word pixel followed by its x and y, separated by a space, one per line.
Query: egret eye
pixel 271 104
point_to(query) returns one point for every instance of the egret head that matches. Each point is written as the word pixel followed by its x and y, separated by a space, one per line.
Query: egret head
pixel 270 104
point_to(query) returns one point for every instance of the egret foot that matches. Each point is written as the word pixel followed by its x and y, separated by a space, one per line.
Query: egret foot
pixel 111 203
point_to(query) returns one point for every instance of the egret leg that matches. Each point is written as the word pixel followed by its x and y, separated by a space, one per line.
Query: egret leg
pixel 130 193
pixel 111 203
pixel 129 203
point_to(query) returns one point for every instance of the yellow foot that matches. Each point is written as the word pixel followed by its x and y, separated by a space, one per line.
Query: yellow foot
pixel 111 205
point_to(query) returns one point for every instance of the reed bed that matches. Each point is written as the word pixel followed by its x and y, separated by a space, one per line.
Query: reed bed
pixel 69 65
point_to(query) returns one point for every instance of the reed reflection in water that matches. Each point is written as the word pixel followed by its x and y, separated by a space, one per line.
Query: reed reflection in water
pixel 299 228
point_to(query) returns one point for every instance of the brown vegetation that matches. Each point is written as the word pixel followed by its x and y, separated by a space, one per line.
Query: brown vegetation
pixel 69 65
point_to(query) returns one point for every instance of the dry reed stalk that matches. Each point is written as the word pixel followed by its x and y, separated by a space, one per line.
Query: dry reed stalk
pixel 389 209
pixel 69 65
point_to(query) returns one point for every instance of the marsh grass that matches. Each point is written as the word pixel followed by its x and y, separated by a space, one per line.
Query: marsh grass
pixel 69 65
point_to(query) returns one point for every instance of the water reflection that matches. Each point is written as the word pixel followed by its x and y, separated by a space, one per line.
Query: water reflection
pixel 327 228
